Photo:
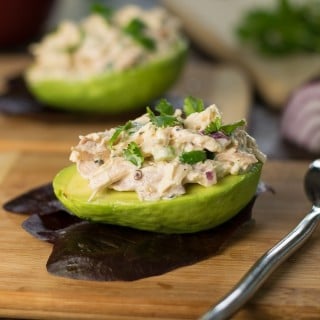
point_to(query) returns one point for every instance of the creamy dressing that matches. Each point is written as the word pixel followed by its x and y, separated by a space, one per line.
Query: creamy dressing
pixel 101 157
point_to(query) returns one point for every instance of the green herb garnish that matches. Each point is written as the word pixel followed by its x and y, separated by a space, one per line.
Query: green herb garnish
pixel 193 157
pixel 102 10
pixel 214 126
pixel 286 29
pixel 163 120
pixel 136 29
pixel 164 107
pixel 192 105
pixel 117 132
pixel 227 129
pixel 133 154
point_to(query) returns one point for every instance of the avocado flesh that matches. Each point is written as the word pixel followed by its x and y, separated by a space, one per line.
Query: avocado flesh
pixel 114 92
pixel 199 209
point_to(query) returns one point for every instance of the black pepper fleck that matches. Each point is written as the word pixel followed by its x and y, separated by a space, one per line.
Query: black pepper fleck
pixel 100 162
pixel 138 175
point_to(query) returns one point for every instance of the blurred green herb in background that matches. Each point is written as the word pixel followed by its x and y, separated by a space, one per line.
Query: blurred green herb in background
pixel 136 29
pixel 286 29
pixel 103 10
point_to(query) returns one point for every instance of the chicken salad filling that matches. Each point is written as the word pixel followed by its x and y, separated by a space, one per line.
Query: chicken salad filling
pixel 160 152
pixel 105 41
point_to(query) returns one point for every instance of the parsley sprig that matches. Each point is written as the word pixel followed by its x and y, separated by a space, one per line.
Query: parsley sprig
pixel 193 157
pixel 164 107
pixel 134 154
pixel 227 129
pixel 213 126
pixel 166 117
pixel 124 128
pixel 103 10
pixel 136 29
pixel 192 104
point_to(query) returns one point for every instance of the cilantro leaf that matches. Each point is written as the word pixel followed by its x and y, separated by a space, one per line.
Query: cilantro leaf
pixel 118 131
pixel 165 121
pixel 162 121
pixel 102 10
pixel 193 157
pixel 192 105
pixel 164 107
pixel 136 29
pixel 151 115
pixel 229 128
pixel 213 126
pixel 133 154
pixel 135 26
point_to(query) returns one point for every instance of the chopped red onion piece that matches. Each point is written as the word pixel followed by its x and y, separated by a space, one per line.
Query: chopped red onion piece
pixel 209 175
pixel 219 135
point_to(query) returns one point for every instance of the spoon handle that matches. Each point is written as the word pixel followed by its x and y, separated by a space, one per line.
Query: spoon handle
pixel 260 271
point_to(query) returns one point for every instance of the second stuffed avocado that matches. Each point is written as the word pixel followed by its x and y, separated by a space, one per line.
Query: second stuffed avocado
pixel 112 61
pixel 115 92
pixel 173 170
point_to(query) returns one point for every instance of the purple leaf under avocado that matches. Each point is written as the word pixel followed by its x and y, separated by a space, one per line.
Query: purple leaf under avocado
pixel 40 200
pixel 100 252
pixel 47 227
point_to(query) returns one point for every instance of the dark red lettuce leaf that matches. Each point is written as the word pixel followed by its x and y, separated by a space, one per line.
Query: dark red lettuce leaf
pixel 40 200
pixel 101 252
pixel 47 227
pixel 48 215
pixel 93 251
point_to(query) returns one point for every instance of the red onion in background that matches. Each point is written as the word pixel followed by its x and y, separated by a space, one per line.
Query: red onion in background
pixel 301 118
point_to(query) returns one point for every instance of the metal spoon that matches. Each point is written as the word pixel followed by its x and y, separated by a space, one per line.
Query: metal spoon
pixel 260 271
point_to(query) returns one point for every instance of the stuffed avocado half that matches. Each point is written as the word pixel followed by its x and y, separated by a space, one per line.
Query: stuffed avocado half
pixel 170 170
pixel 112 61
pixel 200 208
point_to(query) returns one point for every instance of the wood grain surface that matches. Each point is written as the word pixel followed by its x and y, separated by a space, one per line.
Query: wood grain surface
pixel 34 148
pixel 27 291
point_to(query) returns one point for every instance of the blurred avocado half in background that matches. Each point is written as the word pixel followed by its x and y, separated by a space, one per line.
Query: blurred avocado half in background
pixel 112 61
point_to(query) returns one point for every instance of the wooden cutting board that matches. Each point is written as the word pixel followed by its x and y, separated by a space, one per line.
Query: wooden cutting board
pixel 211 25
pixel 27 291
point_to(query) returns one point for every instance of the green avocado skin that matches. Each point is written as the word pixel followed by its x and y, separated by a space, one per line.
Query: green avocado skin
pixel 199 209
pixel 113 93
